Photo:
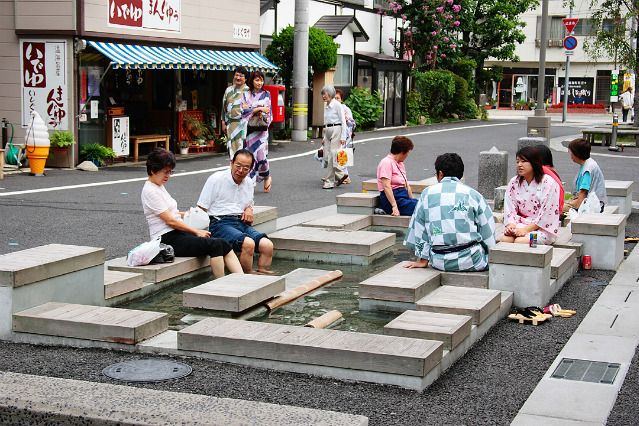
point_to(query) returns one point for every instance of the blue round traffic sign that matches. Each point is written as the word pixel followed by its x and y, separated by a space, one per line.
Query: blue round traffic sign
pixel 570 43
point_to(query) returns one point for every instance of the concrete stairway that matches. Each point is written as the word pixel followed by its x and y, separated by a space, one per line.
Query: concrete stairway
pixel 126 326
pixel 478 303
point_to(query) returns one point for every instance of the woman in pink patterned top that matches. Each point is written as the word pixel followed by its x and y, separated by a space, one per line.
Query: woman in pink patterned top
pixel 532 202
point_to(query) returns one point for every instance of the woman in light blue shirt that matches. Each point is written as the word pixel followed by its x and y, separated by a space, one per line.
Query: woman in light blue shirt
pixel 589 178
pixel 335 136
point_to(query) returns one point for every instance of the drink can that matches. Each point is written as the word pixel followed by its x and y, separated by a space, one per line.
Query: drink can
pixel 533 239
pixel 586 261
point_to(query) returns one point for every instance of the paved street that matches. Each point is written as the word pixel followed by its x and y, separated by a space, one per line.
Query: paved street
pixel 103 209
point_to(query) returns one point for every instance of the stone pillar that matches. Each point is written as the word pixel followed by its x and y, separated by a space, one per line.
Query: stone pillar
pixel 540 124
pixel 602 236
pixel 499 196
pixel 493 171
pixel 619 194
pixel 531 141
pixel 523 270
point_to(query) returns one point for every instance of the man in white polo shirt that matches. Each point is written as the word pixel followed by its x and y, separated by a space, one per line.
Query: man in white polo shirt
pixel 227 196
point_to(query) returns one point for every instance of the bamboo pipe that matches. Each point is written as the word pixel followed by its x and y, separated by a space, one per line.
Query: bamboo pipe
pixel 294 293
pixel 326 320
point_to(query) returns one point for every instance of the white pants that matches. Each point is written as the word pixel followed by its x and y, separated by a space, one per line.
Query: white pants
pixel 331 143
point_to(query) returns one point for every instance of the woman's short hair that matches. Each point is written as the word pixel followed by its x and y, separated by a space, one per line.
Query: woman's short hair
pixel 329 90
pixel 252 77
pixel 241 70
pixel 340 93
pixel 545 155
pixel 531 154
pixel 450 164
pixel 580 148
pixel 158 160
pixel 401 145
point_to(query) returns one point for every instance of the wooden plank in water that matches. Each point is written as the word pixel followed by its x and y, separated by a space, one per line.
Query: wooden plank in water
pixel 447 328
pixel 115 325
pixel 479 303
pixel 233 292
pixel 331 348
pixel 400 284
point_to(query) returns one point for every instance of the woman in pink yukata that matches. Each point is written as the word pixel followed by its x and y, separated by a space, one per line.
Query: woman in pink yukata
pixel 532 202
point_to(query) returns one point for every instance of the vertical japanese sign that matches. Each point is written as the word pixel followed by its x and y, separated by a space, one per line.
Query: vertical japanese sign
pixel 145 14
pixel 614 86
pixel 120 138
pixel 43 70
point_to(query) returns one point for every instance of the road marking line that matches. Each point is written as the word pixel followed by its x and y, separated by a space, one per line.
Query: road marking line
pixel 215 169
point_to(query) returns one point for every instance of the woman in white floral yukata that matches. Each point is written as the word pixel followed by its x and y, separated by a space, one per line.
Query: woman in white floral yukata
pixel 532 202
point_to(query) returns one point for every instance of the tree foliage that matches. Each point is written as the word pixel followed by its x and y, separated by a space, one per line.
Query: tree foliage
pixel 322 52
pixel 367 107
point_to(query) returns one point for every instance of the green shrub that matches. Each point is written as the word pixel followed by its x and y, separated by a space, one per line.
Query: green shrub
pixel 415 109
pixel 96 153
pixel 367 107
pixel 437 89
pixel 61 139
pixel 462 104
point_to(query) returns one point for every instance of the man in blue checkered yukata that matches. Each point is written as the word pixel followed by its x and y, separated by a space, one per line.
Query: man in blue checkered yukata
pixel 452 227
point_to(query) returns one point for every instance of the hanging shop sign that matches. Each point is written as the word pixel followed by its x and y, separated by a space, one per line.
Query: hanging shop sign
pixel 43 70
pixel 120 136
pixel 614 86
pixel 164 15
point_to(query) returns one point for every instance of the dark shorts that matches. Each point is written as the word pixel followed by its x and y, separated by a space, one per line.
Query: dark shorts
pixel 233 230
pixel 187 245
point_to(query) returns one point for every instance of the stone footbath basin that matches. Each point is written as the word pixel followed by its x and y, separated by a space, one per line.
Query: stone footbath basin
pixel 341 295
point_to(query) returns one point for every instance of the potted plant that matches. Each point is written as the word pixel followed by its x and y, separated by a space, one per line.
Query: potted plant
pixel 220 144
pixel 61 143
pixel 195 129
pixel 184 147
pixel 98 154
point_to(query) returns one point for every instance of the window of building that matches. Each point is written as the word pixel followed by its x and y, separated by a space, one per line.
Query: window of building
pixel 265 41
pixel 608 25
pixel 556 28
pixel 343 71
pixel 584 27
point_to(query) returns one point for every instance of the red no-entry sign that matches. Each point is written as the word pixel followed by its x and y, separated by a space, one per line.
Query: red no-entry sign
pixel 570 24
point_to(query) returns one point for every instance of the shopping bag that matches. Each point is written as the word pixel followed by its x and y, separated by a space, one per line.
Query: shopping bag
pixel 344 157
pixel 590 205
pixel 144 253
pixel 197 218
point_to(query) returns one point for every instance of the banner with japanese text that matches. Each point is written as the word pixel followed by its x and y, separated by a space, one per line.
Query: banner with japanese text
pixel 120 136
pixel 43 69
pixel 145 14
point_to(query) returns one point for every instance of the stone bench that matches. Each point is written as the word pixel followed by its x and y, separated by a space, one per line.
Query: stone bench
pixel 53 272
pixel 162 271
pixel 83 402
pixel 233 292
pixel 523 270
pixel 602 236
pixel 417 186
pixel 316 347
pixel 478 303
pixel 126 326
pixel 606 134
pixel 357 203
pixel 619 193
pixel 322 245
pixel 117 283
pixel 265 219
pixel 340 221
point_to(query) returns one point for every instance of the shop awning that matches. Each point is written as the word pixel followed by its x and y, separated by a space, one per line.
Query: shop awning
pixel 138 56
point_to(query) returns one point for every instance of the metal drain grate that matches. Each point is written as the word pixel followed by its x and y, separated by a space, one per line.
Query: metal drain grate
pixel 147 370
pixel 583 370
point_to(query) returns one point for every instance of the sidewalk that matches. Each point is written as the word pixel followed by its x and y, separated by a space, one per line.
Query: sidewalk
pixel 571 118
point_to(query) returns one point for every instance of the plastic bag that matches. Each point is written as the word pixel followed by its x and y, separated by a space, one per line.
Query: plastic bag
pixel 590 204
pixel 197 218
pixel 166 255
pixel 344 157
pixel 144 253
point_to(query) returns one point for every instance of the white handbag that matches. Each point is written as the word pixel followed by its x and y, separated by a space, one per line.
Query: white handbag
pixel 197 218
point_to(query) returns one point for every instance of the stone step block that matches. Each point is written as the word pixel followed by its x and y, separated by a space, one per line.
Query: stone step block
pixel 317 240
pixel 126 326
pixel 265 219
pixel 304 345
pixel 447 328
pixel 400 284
pixel 562 261
pixel 478 303
pixel 465 279
pixel 357 202
pixel 602 236
pixel 619 194
pixel 117 283
pixel 233 292
pixel 390 221
pixel 599 224
pixel 611 210
pixel 44 262
pixel 417 186
pixel 163 271
pixel 571 245
pixel 563 237
pixel 520 254
pixel 340 221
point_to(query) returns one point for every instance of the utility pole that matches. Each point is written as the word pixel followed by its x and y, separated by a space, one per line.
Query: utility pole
pixel 539 124
pixel 564 110
pixel 300 73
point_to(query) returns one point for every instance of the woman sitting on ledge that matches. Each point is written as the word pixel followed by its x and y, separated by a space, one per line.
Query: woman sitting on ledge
pixel 165 220
pixel 395 195
pixel 532 202
pixel 589 178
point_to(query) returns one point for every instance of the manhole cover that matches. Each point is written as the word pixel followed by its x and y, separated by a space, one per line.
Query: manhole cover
pixel 147 370
pixel 586 371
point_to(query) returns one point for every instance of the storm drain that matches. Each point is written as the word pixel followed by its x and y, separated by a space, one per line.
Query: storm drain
pixel 147 370
pixel 583 370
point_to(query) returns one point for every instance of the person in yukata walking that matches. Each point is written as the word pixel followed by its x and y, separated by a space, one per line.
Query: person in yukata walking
pixel 232 124
pixel 531 204
pixel 452 227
